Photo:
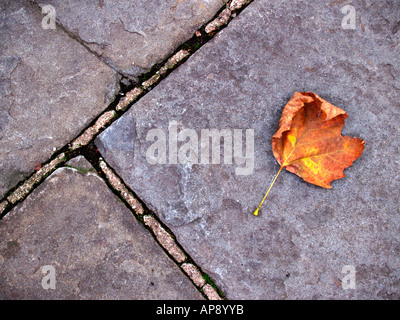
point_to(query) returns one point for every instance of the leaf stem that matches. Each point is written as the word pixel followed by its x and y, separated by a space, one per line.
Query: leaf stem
pixel 269 189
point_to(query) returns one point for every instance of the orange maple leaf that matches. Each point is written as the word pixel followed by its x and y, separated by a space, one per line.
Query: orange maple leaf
pixel 309 142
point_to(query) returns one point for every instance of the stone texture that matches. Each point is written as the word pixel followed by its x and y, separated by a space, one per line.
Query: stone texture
pixel 74 223
pixel 241 79
pixel 51 87
pixel 134 35
pixel 80 164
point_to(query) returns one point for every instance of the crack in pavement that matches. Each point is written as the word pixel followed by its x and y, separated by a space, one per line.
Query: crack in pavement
pixel 130 94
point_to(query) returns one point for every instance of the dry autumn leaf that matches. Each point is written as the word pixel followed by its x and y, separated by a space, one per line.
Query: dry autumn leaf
pixel 309 142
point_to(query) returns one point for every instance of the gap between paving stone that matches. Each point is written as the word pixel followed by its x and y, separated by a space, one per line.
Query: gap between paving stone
pixel 222 18
pixel 301 236
pixel 51 88
pixel 120 105
pixel 94 229
pixel 162 235
pixel 159 72
pixel 116 109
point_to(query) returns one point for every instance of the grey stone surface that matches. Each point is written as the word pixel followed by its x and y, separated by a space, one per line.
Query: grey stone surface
pixel 75 224
pixel 134 35
pixel 80 164
pixel 51 87
pixel 242 79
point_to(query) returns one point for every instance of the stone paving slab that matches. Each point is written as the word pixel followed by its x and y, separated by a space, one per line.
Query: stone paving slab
pixel 51 87
pixel 134 35
pixel 75 224
pixel 241 79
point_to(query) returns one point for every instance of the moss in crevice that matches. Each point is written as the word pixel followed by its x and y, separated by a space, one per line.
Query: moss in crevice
pixel 81 170
pixel 211 282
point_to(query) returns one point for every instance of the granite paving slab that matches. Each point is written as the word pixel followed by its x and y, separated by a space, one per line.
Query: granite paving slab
pixel 308 242
pixel 51 88
pixel 73 239
pixel 132 36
